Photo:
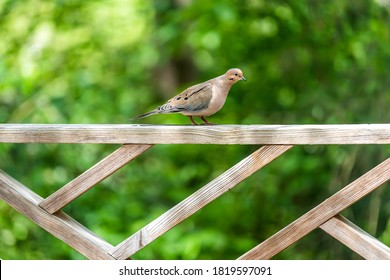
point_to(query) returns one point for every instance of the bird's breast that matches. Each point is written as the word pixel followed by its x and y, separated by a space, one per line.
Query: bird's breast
pixel 217 101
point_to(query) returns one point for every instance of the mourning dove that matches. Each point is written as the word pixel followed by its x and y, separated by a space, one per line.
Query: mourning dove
pixel 200 100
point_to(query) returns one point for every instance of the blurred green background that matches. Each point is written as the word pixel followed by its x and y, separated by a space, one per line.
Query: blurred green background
pixel 306 62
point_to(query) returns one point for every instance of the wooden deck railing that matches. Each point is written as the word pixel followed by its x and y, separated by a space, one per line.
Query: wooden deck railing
pixel 274 140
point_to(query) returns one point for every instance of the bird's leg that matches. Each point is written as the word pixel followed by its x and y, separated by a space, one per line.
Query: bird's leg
pixel 191 119
pixel 206 122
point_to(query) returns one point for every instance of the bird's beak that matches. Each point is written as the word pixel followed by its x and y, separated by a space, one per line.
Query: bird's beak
pixel 243 78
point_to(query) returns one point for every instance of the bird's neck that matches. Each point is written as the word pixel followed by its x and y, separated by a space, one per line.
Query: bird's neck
pixel 224 84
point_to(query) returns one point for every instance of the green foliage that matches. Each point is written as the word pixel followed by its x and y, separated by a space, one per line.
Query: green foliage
pixel 108 60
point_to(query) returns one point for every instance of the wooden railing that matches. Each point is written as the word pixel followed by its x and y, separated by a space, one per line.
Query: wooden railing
pixel 275 140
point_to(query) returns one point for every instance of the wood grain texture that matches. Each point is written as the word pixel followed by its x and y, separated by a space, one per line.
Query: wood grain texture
pixel 216 134
pixel 198 200
pixel 60 225
pixel 320 214
pixel 356 239
pixel 92 176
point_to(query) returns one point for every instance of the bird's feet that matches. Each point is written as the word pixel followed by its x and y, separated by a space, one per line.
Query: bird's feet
pixel 206 122
pixel 203 119
pixel 192 120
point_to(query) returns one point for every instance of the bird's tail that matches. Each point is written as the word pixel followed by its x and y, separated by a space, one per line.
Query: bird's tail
pixel 145 115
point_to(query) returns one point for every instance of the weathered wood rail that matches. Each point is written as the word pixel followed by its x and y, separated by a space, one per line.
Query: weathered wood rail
pixel 202 134
pixel 136 139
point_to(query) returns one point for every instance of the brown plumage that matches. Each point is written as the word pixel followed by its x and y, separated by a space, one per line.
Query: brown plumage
pixel 200 100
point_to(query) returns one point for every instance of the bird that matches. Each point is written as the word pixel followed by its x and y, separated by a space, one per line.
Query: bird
pixel 201 100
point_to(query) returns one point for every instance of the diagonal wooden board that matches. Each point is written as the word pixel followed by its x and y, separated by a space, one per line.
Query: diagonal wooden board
pixel 356 239
pixel 92 176
pixel 198 200
pixel 321 213
pixel 60 225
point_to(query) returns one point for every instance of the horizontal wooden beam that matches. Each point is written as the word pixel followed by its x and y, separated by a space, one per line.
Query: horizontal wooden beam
pixel 202 134
pixel 60 225
pixel 356 239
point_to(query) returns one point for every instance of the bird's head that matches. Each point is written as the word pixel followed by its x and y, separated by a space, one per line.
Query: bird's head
pixel 234 75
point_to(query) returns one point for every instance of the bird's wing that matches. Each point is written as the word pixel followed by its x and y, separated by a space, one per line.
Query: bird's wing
pixel 193 99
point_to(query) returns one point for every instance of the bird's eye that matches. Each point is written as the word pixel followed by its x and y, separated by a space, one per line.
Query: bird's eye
pixel 235 74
